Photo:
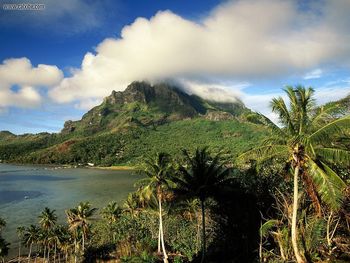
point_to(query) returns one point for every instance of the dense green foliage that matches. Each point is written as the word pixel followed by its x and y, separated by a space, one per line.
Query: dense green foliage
pixel 128 148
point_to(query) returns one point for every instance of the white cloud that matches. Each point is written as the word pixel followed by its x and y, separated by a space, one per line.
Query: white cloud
pixel 327 94
pixel 19 82
pixel 214 91
pixel 314 74
pixel 87 104
pixel 239 40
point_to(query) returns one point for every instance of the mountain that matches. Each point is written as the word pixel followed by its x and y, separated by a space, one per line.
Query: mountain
pixel 142 119
pixel 142 104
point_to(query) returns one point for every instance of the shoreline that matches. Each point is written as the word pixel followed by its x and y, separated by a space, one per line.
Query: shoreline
pixel 72 166
pixel 114 167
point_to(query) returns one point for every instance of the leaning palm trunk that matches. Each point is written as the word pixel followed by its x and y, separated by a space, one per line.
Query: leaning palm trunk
pixel 30 251
pixel 203 232
pixel 165 256
pixel 294 217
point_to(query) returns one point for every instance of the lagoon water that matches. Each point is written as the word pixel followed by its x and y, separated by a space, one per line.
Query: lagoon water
pixel 26 190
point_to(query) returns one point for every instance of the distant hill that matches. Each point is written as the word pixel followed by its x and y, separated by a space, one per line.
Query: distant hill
pixel 135 122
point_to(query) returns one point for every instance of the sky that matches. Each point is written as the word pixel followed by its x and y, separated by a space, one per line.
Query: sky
pixel 58 62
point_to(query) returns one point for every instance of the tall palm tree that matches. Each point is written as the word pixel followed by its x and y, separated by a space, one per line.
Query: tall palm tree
pixel 200 177
pixel 30 237
pixel 306 140
pixel 47 221
pixel 79 219
pixel 157 169
pixel 20 230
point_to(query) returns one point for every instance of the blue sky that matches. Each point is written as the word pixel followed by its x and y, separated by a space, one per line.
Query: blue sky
pixel 57 63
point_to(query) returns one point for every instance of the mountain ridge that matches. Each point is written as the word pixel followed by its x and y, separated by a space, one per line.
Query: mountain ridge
pixel 143 104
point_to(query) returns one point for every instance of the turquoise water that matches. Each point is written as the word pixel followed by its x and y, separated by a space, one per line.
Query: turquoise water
pixel 26 190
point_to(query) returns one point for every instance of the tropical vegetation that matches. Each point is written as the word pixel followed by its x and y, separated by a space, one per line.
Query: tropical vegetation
pixel 284 196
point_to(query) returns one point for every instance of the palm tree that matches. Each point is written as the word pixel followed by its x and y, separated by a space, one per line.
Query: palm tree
pixel 111 212
pixel 307 142
pixel 200 177
pixel 47 220
pixel 130 205
pixel 20 230
pixel 30 237
pixel 4 249
pixel 64 240
pixel 157 169
pixel 79 219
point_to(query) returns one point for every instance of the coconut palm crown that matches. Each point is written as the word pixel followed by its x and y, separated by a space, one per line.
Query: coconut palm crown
pixel 307 139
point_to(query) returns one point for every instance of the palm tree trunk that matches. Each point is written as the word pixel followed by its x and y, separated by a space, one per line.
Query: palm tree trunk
pixel 260 244
pixel 44 253
pixel 54 257
pixel 48 253
pixel 198 235
pixel 83 241
pixel 159 239
pixel 165 256
pixel 75 250
pixel 203 232
pixel 30 251
pixel 294 217
pixel 19 251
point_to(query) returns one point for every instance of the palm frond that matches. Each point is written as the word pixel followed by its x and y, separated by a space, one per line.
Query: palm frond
pixel 271 125
pixel 327 132
pixel 278 106
pixel 325 114
pixel 335 156
pixel 314 234
pixel 273 140
pixel 328 184
pixel 263 152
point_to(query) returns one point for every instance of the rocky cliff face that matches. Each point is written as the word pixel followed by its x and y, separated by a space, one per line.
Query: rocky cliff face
pixel 144 104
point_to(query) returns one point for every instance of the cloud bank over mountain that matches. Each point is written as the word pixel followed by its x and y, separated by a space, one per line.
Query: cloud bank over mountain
pixel 237 41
